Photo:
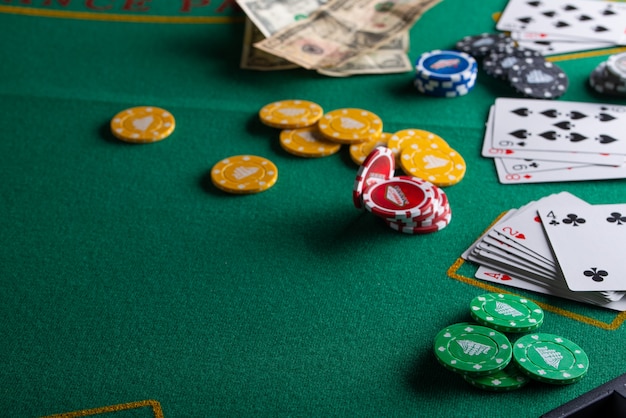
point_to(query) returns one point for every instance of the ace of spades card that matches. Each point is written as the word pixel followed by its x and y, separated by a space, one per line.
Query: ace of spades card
pixel 560 126
pixel 592 20
pixel 589 244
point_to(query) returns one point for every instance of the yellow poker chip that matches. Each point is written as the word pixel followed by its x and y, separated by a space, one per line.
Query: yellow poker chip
pixel 350 126
pixel 442 167
pixel 416 139
pixel 307 142
pixel 291 114
pixel 143 124
pixel 360 151
pixel 244 174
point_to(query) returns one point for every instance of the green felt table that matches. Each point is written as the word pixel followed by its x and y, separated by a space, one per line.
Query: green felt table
pixel 131 286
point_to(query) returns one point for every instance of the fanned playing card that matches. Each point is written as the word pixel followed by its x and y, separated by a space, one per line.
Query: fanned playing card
pixel 589 244
pixel 541 125
pixel 603 21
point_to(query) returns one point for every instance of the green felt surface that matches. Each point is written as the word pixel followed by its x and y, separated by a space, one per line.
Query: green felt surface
pixel 127 276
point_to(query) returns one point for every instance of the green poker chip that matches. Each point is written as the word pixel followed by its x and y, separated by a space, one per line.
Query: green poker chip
pixel 471 349
pixel 506 312
pixel 550 358
pixel 510 378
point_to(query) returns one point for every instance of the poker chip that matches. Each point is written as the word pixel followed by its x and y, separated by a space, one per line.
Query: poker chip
pixel 290 114
pixel 142 124
pixel 360 151
pixel 609 82
pixel 440 166
pixel 349 126
pixel 506 312
pixel 443 73
pixel 481 45
pixel 499 61
pixel 444 88
pixel 415 139
pixel 244 174
pixel 399 198
pixel 616 65
pixel 551 359
pixel 472 349
pixel 405 203
pixel 377 167
pixel 539 80
pixel 510 378
pixel 526 70
pixel 418 228
pixel 307 142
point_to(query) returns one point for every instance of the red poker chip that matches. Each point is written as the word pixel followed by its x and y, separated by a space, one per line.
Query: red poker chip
pixel 419 230
pixel 430 221
pixel 378 166
pixel 400 198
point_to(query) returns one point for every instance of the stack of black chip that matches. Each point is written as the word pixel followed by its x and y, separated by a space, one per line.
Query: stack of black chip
pixel 526 70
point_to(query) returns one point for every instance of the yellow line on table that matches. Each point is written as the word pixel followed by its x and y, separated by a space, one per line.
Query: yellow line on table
pixel 113 17
pixel 587 54
pixel 156 409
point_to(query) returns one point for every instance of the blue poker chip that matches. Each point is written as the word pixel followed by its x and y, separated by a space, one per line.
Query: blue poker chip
pixel 442 65
pixel 444 88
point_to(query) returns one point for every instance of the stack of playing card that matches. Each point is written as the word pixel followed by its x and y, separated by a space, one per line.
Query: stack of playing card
pixel 563 26
pixel 561 246
pixel 536 141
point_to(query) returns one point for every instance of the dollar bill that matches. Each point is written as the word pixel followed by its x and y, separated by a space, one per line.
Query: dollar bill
pixel 343 30
pixel 255 59
pixel 388 59
pixel 269 16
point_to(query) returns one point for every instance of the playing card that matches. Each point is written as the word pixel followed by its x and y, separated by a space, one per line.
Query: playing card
pixel 573 173
pixel 603 21
pixel 588 243
pixel 524 227
pixel 492 149
pixel 542 125
pixel 495 276
pixel 547 47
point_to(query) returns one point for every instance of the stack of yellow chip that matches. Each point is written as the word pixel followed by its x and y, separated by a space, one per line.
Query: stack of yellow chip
pixel 427 156
pixel 308 132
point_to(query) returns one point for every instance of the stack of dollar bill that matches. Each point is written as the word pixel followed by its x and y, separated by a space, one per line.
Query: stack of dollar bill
pixel 336 38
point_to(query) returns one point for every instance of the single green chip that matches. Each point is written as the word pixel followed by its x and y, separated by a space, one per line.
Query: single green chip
pixel 510 378
pixel 550 358
pixel 506 312
pixel 472 349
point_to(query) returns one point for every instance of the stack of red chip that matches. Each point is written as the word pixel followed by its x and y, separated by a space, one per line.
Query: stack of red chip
pixel 406 204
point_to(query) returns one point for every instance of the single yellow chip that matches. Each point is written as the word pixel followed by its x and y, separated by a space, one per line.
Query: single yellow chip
pixel 244 174
pixel 416 139
pixel 307 142
pixel 359 152
pixel 442 167
pixel 143 124
pixel 350 126
pixel 291 114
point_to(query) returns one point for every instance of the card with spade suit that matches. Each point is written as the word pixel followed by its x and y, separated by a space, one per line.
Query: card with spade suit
pixel 590 20
pixel 528 124
pixel 589 244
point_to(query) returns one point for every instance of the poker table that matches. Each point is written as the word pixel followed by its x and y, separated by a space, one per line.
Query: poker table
pixel 131 286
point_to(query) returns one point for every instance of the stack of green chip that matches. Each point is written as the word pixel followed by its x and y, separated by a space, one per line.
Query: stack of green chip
pixel 483 354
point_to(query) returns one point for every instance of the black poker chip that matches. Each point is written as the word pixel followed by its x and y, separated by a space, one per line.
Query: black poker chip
pixel 539 80
pixel 481 45
pixel 499 61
